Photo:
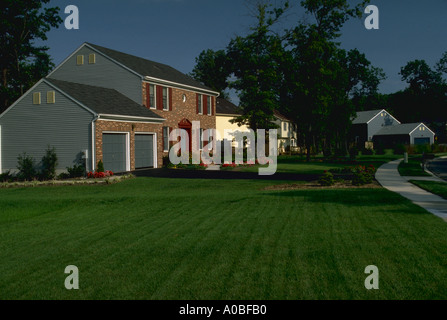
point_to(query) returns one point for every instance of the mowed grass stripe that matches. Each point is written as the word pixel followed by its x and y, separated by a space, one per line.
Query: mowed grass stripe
pixel 199 239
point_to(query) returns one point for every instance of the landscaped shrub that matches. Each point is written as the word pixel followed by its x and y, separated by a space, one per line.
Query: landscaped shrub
pixel 399 149
pixel 26 167
pixel 438 148
pixel 77 171
pixel 49 164
pixel 100 166
pixel 362 178
pixel 422 148
pixel 363 175
pixel 98 174
pixel 6 177
pixel 327 179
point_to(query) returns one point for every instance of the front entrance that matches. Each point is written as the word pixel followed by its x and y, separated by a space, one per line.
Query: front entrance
pixel 186 125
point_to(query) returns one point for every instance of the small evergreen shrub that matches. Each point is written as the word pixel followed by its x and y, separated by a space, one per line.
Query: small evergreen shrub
pixel 49 164
pixel 361 178
pixel 100 167
pixel 77 171
pixel 327 179
pixel 6 177
pixel 26 167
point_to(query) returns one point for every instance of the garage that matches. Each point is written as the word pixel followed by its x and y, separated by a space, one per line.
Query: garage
pixel 421 141
pixel 144 151
pixel 114 152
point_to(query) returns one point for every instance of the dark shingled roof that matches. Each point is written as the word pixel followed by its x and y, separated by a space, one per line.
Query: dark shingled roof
pixel 224 106
pixel 280 116
pixel 102 100
pixel 400 129
pixel 365 116
pixel 149 68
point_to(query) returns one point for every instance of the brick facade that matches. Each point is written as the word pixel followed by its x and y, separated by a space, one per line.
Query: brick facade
pixel 183 110
pixel 131 128
pixel 180 110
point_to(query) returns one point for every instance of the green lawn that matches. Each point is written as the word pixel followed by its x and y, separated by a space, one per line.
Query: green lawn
pixel 412 168
pixel 298 164
pixel 439 188
pixel 150 238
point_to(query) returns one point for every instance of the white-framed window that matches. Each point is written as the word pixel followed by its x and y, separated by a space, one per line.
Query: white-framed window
pixel 166 139
pixel 285 126
pixel 152 93
pixel 199 97
pixel 208 103
pixel 165 99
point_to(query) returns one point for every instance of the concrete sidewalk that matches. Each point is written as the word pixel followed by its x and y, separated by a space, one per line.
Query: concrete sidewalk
pixel 388 176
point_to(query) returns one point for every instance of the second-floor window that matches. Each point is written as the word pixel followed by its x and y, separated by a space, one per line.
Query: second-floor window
pixel 165 99
pixel 199 97
pixel 152 96
pixel 208 103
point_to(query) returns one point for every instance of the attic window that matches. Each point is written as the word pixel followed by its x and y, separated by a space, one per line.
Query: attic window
pixel 51 97
pixel 420 128
pixel 80 60
pixel 92 58
pixel 36 98
pixel 382 114
pixel 423 128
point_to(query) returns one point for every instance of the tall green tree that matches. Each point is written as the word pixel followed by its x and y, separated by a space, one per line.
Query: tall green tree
pixel 318 83
pixel 22 62
pixel 425 98
pixel 212 70
pixel 255 64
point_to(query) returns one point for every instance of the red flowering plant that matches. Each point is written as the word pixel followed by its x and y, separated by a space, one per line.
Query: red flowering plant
pixel 99 175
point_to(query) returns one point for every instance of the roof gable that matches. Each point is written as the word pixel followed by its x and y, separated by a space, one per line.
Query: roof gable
pixel 225 107
pixel 151 69
pixel 401 129
pixel 365 116
pixel 104 101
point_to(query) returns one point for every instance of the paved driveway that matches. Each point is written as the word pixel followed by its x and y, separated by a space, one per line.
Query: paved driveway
pixel 439 167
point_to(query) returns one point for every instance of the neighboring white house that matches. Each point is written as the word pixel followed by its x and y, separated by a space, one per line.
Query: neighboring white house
pixel 287 133
pixel 226 111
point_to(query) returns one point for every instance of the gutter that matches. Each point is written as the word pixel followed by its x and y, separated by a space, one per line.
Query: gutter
pixel 93 151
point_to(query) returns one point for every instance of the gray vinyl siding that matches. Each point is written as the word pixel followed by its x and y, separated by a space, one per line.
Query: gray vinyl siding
pixel 31 128
pixel 378 123
pixel 104 73
pixel 422 134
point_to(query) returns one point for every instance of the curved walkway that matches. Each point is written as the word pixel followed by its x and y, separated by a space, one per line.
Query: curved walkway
pixel 388 176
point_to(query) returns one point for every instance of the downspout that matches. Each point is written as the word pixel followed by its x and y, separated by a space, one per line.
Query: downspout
pixel 93 151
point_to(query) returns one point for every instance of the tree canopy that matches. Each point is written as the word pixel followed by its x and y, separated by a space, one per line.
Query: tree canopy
pixel 22 62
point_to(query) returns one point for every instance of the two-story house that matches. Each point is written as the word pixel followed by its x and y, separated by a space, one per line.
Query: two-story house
pixel 103 104
pixel 226 111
